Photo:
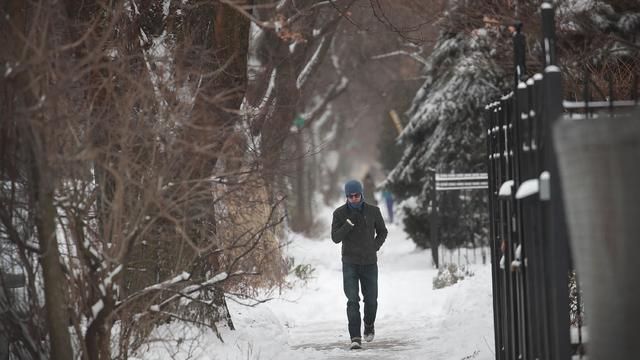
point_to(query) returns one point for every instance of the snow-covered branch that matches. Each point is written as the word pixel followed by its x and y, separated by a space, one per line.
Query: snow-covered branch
pixel 303 12
pixel 156 287
pixel 412 55
pixel 318 108
pixel 327 32
pixel 312 64
pixel 244 10
pixel 182 277
pixel 268 95
pixel 186 292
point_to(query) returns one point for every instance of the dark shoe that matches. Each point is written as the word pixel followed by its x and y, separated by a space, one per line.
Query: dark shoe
pixel 369 332
pixel 356 343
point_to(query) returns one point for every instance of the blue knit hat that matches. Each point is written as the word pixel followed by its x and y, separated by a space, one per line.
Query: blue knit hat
pixel 352 186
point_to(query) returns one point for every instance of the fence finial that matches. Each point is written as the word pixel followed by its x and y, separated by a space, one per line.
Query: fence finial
pixel 548 34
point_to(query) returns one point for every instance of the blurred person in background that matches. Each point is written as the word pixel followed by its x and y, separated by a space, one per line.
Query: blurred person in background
pixel 369 189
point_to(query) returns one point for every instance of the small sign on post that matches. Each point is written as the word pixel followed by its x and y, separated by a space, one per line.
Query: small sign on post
pixel 448 182
pixel 468 181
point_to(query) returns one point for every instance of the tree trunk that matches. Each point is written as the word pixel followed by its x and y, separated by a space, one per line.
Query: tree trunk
pixel 224 46
pixel 434 256
pixel 42 183
pixel 98 337
pixel 55 282
pixel 300 217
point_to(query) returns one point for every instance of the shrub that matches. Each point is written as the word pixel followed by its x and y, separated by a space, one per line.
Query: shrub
pixel 449 274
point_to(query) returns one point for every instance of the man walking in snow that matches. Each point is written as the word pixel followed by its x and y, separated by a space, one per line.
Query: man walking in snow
pixel 361 230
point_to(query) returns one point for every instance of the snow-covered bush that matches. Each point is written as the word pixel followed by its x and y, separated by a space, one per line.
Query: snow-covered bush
pixel 304 272
pixel 449 274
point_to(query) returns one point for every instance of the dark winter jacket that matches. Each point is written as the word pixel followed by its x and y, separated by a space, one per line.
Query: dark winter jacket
pixel 361 241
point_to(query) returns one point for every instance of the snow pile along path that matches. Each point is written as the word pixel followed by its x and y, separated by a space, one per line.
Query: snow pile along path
pixel 309 321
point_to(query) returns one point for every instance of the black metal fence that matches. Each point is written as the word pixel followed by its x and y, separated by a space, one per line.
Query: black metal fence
pixel 531 263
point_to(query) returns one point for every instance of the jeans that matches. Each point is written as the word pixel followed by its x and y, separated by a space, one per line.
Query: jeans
pixel 354 275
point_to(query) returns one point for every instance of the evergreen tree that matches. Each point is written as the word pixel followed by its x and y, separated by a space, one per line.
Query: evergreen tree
pixel 469 67
pixel 600 39
pixel 445 132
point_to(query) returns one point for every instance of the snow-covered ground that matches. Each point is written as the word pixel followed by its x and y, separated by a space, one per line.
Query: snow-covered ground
pixel 309 321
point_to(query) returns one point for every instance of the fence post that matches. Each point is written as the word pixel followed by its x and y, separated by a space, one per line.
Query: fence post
pixel 541 263
pixel 555 235
pixel 517 241
pixel 493 238
pixel 435 243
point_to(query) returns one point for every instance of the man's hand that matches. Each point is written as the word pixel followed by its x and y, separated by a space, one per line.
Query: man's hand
pixel 349 222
